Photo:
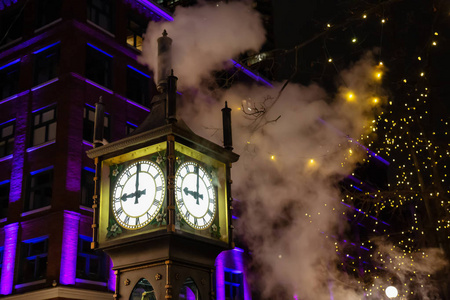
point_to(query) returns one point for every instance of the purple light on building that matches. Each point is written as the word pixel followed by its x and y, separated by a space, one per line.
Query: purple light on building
pixel 112 277
pixel 19 153
pixel 232 260
pixel 69 248
pixel 220 276
pixel 9 258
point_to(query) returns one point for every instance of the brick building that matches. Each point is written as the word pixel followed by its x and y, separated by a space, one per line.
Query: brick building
pixel 57 58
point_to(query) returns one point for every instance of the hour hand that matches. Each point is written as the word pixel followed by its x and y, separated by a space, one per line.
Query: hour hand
pixel 193 194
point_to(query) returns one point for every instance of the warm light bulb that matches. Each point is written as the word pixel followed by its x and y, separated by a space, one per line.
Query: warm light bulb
pixel 272 157
pixel 354 40
pixel 391 292
pixel 364 16
pixel 350 96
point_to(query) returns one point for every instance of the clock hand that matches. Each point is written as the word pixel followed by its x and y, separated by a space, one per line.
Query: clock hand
pixel 137 194
pixel 197 184
pixel 193 194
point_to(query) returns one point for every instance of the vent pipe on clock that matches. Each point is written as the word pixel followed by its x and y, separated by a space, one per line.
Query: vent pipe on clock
pixel 99 120
pixel 171 105
pixel 226 120
pixel 164 61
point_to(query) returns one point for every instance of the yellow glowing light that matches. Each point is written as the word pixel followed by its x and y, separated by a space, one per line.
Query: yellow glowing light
pixel 272 157
pixel 380 63
pixel 238 108
pixel 350 151
pixel 419 58
pixel 434 43
pixel 436 33
pixel 422 74
pixel 375 100
pixel 364 16
pixel 405 81
pixel 383 21
pixel 354 40
pixel 350 96
pixel 328 25
pixel 330 60
pixel 311 161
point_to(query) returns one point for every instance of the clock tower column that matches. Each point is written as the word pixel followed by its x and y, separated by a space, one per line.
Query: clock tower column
pixel 162 205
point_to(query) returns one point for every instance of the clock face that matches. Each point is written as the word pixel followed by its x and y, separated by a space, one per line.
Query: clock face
pixel 138 194
pixel 195 195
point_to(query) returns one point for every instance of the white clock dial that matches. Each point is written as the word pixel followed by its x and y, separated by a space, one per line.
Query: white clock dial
pixel 138 194
pixel 195 195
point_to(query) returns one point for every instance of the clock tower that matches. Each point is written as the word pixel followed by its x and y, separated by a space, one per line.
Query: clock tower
pixel 162 202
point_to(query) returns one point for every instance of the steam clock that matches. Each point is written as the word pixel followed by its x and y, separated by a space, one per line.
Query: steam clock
pixel 162 204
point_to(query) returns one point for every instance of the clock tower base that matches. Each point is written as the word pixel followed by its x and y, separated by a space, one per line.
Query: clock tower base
pixel 166 267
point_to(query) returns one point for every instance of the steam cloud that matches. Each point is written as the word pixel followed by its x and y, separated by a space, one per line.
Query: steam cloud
pixel 294 149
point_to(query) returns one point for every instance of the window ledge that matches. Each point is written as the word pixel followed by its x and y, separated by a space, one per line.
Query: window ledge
pixel 10 43
pixel 40 146
pixel 99 86
pixel 22 285
pixel 86 208
pixel 100 28
pixel 6 157
pixel 48 25
pixel 100 283
pixel 44 84
pixel 34 211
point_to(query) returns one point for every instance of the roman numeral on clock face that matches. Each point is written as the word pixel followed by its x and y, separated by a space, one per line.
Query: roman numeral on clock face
pixel 127 220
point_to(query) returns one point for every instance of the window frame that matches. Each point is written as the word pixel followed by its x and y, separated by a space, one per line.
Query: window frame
pixel 44 15
pixel 27 254
pixel 88 124
pixel 4 199
pixel 105 10
pixel 47 124
pixel 8 140
pixel 9 79
pixel 46 63
pixel 89 255
pixel 87 186
pixel 234 284
pixel 43 188
pixel 99 66
pixel 138 85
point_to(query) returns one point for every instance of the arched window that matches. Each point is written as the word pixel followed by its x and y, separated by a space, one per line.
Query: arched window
pixel 189 290
pixel 143 290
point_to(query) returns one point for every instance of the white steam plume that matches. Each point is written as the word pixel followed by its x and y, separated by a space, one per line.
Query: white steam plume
pixel 294 149
pixel 204 38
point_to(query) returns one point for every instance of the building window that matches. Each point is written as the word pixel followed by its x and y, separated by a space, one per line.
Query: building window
pixel 7 138
pixel 234 285
pixel 40 187
pixel 47 11
pixel 33 259
pixel 87 186
pixel 88 125
pixel 9 79
pixel 101 12
pixel 135 31
pixel 46 64
pixel 4 199
pixel 91 264
pixel 99 66
pixel 130 128
pixel 138 86
pixel 44 126
pixel 11 24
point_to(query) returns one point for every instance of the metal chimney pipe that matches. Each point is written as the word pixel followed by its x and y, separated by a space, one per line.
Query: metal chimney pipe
pixel 171 105
pixel 99 123
pixel 164 61
pixel 226 120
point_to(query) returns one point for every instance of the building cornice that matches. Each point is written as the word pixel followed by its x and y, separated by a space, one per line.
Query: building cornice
pixel 62 292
